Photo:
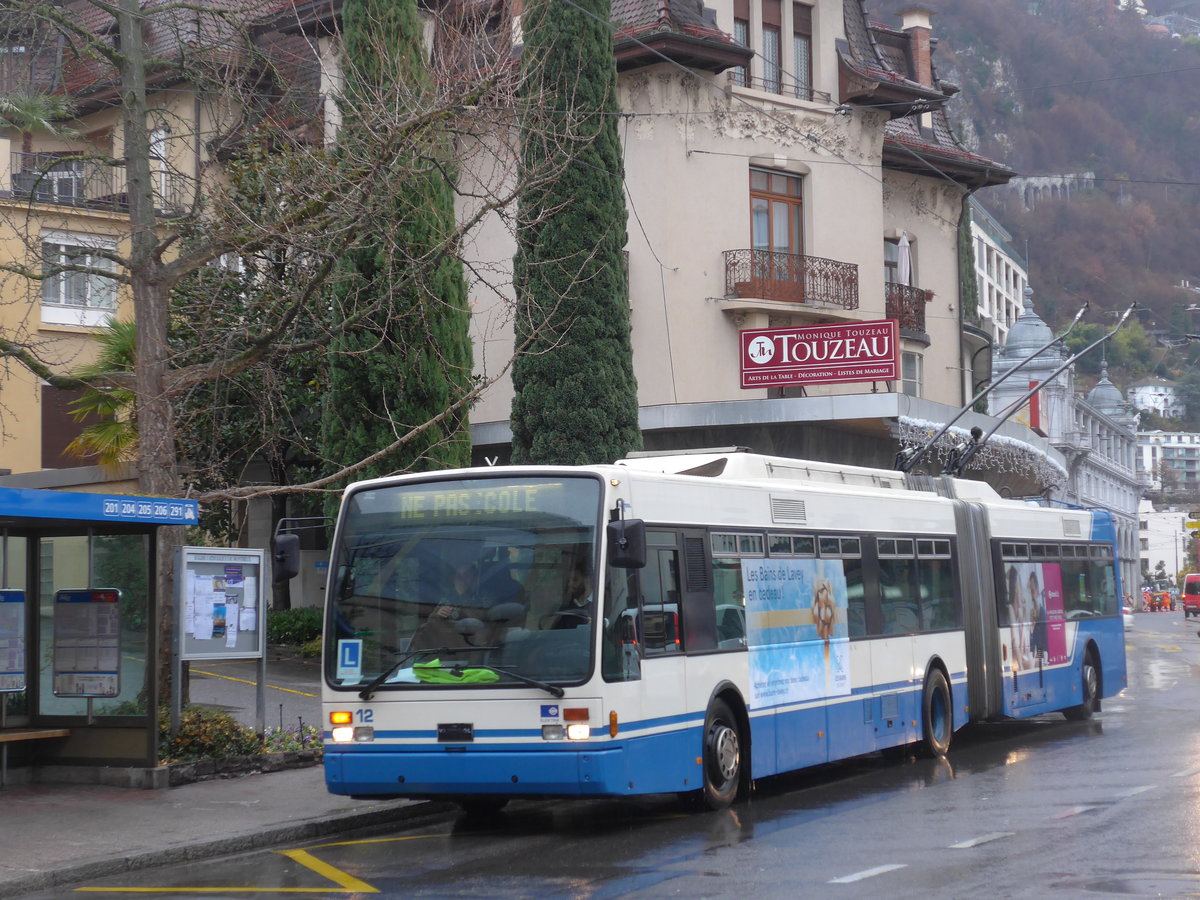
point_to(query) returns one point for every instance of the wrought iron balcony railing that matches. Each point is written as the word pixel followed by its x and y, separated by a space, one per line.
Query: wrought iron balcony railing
pixel 790 277
pixel 77 181
pixel 906 305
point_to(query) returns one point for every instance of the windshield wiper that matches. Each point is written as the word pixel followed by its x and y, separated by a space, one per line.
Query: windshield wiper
pixel 552 689
pixel 387 673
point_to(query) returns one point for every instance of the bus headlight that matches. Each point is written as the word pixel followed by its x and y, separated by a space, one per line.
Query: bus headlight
pixel 343 734
pixel 578 731
pixel 553 733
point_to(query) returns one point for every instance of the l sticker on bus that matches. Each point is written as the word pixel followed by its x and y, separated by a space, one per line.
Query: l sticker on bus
pixel 349 659
pixel 551 711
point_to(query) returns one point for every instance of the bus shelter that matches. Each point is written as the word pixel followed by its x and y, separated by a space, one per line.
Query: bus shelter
pixel 79 628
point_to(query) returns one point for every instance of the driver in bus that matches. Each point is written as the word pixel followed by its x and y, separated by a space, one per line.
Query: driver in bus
pixel 441 629
pixel 578 606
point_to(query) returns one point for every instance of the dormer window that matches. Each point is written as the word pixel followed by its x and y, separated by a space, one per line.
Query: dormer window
pixel 782 64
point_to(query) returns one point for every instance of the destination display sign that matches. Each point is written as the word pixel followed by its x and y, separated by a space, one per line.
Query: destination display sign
pixel 475 500
pixel 820 354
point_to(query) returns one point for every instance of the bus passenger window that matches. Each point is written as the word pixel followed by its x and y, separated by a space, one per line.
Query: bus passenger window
pixel 730 599
pixel 898 596
pixel 856 600
pixel 940 609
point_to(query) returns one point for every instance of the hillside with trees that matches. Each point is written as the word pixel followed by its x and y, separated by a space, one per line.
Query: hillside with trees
pixel 1104 104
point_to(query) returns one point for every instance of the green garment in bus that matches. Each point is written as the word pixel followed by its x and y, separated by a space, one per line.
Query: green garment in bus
pixel 433 673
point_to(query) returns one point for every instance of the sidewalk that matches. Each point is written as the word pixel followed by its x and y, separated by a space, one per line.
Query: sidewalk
pixel 55 834
pixel 59 834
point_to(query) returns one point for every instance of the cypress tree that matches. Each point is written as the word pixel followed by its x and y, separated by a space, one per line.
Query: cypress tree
pixel 411 358
pixel 575 393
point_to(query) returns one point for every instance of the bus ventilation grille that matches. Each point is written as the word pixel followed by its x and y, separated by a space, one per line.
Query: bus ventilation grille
pixel 1071 528
pixel 696 568
pixel 788 510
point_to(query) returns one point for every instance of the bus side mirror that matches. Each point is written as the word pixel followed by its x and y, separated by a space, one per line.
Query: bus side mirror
pixel 627 544
pixel 285 557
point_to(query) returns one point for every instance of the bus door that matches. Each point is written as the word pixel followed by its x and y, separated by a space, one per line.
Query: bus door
pixel 649 628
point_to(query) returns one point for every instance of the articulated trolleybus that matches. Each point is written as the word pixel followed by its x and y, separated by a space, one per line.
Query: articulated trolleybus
pixel 686 623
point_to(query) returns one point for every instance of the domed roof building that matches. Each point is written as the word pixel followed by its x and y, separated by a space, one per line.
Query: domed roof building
pixel 1096 432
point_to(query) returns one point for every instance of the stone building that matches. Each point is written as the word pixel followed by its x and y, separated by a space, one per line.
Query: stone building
pixel 1094 432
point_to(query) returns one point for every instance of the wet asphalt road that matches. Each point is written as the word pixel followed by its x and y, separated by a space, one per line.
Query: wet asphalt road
pixel 1037 809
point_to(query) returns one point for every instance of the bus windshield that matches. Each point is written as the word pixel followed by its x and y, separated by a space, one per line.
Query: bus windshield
pixel 465 582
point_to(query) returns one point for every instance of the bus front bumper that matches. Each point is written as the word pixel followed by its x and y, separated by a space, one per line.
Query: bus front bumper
pixel 439 772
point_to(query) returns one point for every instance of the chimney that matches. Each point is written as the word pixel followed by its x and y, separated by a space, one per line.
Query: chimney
pixel 914 21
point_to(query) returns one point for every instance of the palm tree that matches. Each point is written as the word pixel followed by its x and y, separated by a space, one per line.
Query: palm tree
pixel 111 435
pixel 29 111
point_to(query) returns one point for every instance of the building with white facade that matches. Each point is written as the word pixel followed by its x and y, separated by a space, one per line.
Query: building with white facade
pixel 1171 460
pixel 1000 273
pixel 1157 395
pixel 1096 434
pixel 1163 539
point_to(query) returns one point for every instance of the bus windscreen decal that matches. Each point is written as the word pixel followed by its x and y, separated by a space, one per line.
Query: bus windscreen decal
pixel 796 612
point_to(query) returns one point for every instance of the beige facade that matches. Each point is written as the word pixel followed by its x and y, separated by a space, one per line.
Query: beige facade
pixel 691 140
pixel 57 322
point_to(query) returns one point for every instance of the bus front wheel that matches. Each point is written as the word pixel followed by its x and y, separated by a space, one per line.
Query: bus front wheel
pixel 1090 687
pixel 722 759
pixel 937 713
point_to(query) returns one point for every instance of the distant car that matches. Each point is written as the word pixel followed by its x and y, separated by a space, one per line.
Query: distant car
pixel 1191 595
pixel 1127 613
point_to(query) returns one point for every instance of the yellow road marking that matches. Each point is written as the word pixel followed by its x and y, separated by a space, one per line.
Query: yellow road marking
pixel 337 876
pixel 344 880
pixel 274 687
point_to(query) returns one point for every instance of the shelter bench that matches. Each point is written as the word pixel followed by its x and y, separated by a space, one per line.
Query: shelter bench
pixel 17 735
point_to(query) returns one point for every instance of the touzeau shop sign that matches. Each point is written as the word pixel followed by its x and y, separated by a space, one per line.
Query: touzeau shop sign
pixel 820 354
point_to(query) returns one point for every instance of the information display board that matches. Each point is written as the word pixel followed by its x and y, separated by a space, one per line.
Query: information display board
pixel 87 643
pixel 220 594
pixel 12 640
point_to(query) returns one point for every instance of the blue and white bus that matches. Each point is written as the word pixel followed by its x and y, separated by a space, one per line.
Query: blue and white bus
pixel 690 622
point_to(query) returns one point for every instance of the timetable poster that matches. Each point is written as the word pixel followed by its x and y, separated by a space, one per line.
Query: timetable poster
pixel 87 643
pixel 796 629
pixel 12 640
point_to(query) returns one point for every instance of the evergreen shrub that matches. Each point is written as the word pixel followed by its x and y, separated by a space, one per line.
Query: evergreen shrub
pixel 294 626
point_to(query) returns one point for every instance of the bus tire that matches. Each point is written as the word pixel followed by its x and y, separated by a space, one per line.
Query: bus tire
pixel 482 806
pixel 722 757
pixel 1090 686
pixel 937 716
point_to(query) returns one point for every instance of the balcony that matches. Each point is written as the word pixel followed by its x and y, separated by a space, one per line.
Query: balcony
pixel 790 278
pixel 76 181
pixel 906 305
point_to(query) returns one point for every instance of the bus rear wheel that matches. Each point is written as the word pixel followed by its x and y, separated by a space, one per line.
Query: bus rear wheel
pixel 722 758
pixel 1090 686
pixel 937 714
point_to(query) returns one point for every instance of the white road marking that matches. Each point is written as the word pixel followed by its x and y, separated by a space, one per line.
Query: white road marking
pixel 1074 811
pixel 1137 790
pixel 868 873
pixel 1186 773
pixel 982 839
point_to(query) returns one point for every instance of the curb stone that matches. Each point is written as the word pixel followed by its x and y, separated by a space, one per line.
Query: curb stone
pixel 403 811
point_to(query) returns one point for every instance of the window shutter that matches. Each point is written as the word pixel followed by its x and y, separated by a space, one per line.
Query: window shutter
pixel 801 19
